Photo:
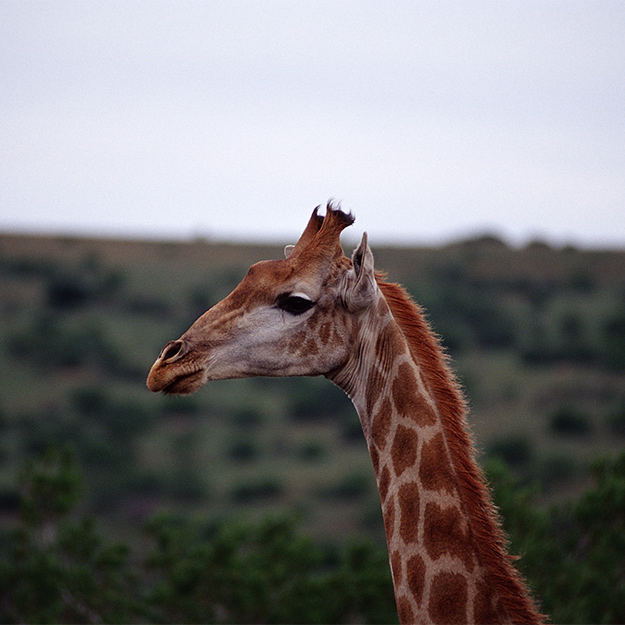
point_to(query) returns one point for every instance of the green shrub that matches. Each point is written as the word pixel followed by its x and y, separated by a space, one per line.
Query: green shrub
pixel 556 470
pixel 572 554
pixel 351 486
pixel 183 484
pixel 582 281
pixel 569 421
pixel 267 572
pixel 313 399
pixel 247 416
pixel 517 451
pixel 573 341
pixel 50 342
pixel 616 422
pixel 70 288
pixel 251 490
pixel 243 450
pixel 55 567
pixel 312 451
pixel 613 334
pixel 351 429
pixel 90 400
pixel 465 315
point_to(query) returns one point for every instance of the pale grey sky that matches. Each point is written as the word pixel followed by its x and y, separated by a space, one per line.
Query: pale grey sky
pixel 429 120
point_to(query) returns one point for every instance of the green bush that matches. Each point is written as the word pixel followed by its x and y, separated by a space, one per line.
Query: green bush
pixel 517 451
pixel 556 470
pixel 69 288
pixel 312 451
pixel 351 486
pixel 572 554
pixel 243 450
pixel 314 399
pixel 55 568
pixel 567 421
pixel 182 484
pixel 50 341
pixel 247 416
pixel 613 334
pixel 466 315
pixel 262 487
pixel 123 420
pixel 616 421
pixel 90 400
pixel 573 340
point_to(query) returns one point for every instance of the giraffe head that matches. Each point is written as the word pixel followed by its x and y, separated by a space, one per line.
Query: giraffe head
pixel 286 317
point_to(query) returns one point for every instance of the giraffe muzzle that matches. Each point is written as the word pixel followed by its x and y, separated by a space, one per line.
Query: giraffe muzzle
pixel 171 375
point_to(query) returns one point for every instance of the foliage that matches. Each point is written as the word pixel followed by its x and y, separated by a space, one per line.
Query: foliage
pixel 313 400
pixel 350 486
pixel 69 288
pixel 266 572
pixel 614 339
pixel 56 568
pixel 50 342
pixel 572 554
pixel 616 421
pixel 568 421
pixel 260 487
pixel 515 450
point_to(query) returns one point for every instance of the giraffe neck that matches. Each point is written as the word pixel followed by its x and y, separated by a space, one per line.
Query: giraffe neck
pixel 446 550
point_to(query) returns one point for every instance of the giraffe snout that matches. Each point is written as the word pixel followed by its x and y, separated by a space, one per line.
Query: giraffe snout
pixel 172 374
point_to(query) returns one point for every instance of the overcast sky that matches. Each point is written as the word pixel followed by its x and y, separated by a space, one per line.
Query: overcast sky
pixel 429 120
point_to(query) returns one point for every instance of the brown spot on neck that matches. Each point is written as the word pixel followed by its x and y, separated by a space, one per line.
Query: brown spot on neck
pixel 406 615
pixel 409 402
pixel 444 533
pixel 435 472
pixel 384 483
pixel 448 599
pixel 381 423
pixel 415 570
pixel 409 500
pixel 404 449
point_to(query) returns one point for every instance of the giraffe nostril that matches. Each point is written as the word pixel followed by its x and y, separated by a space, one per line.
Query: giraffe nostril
pixel 171 350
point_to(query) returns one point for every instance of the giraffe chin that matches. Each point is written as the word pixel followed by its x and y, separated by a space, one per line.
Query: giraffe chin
pixel 185 384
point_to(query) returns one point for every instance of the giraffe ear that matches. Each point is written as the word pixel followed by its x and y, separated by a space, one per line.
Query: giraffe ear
pixel 288 250
pixel 362 287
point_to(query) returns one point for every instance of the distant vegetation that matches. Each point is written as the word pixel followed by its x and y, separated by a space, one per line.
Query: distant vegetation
pixel 537 336
pixel 57 566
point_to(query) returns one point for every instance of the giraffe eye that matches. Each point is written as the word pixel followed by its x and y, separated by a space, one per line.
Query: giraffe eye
pixel 294 304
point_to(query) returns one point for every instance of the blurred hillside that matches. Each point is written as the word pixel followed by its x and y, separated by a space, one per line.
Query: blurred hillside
pixel 537 336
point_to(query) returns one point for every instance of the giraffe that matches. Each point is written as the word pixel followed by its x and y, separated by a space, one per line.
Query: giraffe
pixel 316 312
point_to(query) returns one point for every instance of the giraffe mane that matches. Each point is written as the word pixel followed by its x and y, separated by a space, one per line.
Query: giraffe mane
pixel 491 541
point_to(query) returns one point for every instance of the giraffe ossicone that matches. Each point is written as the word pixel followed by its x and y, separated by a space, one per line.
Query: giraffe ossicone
pixel 316 312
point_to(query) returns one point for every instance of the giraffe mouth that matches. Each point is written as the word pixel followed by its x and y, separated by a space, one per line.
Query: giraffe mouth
pixel 185 384
pixel 160 379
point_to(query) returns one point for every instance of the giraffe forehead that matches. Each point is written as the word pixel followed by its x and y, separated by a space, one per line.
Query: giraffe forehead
pixel 268 279
pixel 272 277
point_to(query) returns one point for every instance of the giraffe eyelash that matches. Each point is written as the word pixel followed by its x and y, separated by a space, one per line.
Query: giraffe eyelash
pixel 294 303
